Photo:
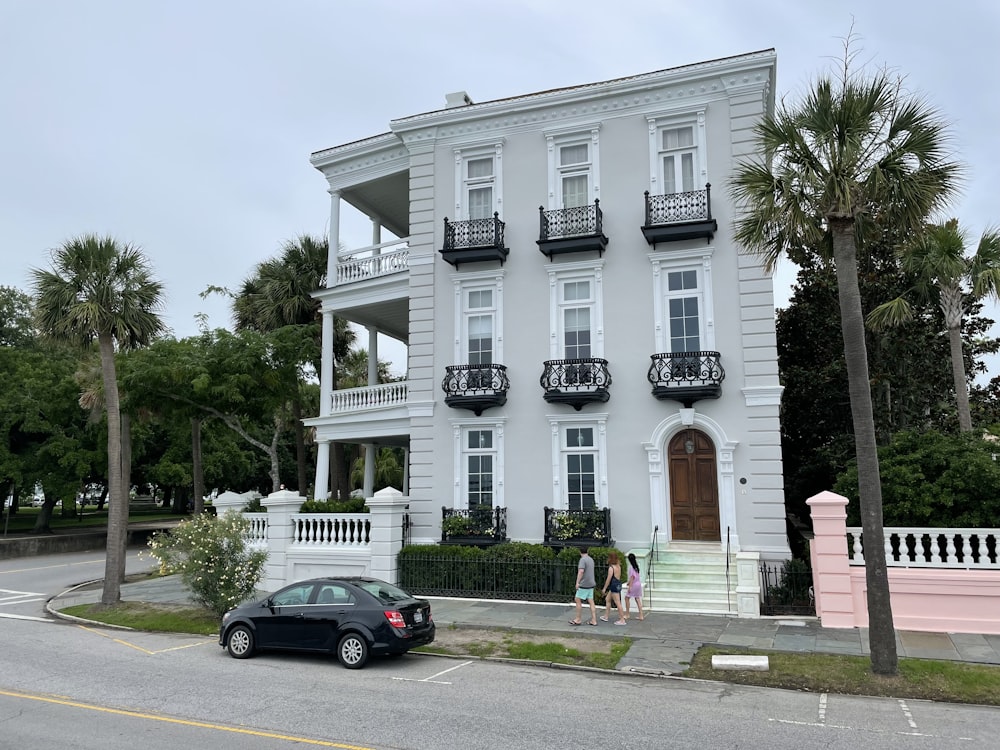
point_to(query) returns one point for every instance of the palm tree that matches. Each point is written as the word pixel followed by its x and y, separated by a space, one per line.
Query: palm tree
pixel 98 288
pixel 278 294
pixel 938 262
pixel 857 152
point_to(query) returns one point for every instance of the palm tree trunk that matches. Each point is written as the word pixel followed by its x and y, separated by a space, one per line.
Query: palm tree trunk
pixel 197 472
pixel 114 566
pixel 961 384
pixel 881 632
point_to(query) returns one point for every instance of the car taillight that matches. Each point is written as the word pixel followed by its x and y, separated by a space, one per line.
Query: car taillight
pixel 395 618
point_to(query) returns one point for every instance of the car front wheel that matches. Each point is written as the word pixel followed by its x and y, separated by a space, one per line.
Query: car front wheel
pixel 352 651
pixel 239 642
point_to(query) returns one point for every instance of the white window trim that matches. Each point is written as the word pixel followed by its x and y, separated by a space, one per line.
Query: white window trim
pixel 592 271
pixel 478 152
pixel 660 122
pixel 555 139
pixel 459 427
pixel 600 424
pixel 700 260
pixel 481 279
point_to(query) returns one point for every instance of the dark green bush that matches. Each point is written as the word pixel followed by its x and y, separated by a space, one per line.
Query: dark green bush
pixel 354 505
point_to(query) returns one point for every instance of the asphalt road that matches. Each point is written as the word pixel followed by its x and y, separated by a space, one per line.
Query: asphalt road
pixel 67 686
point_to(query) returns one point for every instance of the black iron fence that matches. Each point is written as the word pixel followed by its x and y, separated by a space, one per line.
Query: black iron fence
pixel 474 233
pixel 571 222
pixel 787 589
pixel 694 205
pixel 529 580
pixel 481 525
pixel 576 528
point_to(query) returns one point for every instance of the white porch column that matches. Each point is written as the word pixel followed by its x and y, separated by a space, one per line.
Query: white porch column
pixel 387 508
pixel 281 506
pixel 372 356
pixel 326 366
pixel 369 485
pixel 333 254
pixel 406 471
pixel 321 489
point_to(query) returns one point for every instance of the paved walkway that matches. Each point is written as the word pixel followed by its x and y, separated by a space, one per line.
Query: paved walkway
pixel 663 643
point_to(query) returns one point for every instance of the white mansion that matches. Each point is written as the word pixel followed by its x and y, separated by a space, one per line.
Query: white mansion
pixel 582 332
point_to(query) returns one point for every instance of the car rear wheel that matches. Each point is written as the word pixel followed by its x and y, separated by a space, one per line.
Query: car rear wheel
pixel 352 651
pixel 239 642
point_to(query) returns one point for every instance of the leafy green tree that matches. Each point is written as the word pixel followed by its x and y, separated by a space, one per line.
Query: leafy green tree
pixel 100 289
pixel 933 479
pixel 213 559
pixel 937 259
pixel 855 153
pixel 16 325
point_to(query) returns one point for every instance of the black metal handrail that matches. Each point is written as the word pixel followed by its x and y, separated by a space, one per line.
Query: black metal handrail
pixel 474 233
pixel 675 208
pixel 578 221
pixel 591 526
pixel 652 558
pixel 483 523
pixel 465 380
pixel 685 368
pixel 584 374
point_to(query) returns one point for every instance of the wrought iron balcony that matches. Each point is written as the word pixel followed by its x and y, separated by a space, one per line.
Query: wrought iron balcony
pixel 474 240
pixel 686 376
pixel 679 216
pixel 576 381
pixel 478 525
pixel 475 387
pixel 571 230
pixel 577 528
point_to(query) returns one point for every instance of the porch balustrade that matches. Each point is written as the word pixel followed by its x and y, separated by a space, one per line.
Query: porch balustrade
pixel 369 397
pixel 331 530
pixel 931 547
pixel 372 262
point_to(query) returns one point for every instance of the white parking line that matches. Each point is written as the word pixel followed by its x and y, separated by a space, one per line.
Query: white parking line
pixel 9 596
pixel 907 714
pixel 431 678
pixel 7 616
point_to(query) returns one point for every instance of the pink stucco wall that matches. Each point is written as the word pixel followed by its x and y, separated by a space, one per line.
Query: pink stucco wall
pixel 935 600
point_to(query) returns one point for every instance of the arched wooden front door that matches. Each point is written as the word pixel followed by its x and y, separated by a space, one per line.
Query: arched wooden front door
pixel 694 487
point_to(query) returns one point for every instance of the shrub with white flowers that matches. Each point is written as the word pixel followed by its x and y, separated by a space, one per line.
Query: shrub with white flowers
pixel 212 557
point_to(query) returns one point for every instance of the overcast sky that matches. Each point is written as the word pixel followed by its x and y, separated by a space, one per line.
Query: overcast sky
pixel 186 127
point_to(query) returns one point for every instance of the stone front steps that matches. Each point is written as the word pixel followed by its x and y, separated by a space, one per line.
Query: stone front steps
pixel 691 577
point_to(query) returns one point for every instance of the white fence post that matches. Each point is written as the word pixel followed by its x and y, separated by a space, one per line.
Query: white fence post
pixel 281 506
pixel 229 500
pixel 387 508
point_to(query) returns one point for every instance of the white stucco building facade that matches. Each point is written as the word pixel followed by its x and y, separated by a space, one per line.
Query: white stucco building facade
pixel 582 331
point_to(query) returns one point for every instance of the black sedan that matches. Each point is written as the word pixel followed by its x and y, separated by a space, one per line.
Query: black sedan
pixel 352 617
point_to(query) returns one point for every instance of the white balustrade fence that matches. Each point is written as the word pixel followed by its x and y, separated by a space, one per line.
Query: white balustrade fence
pixel 372 262
pixel 257 536
pixel 331 530
pixel 371 397
pixel 932 547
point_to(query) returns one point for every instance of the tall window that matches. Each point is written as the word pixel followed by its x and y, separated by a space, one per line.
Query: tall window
pixel 480 460
pixel 478 181
pixel 678 158
pixel 683 310
pixel 577 302
pixel 574 165
pixel 479 313
pixel 479 187
pixel 580 468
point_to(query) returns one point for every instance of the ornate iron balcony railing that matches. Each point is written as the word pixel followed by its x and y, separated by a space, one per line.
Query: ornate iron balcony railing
pixel 475 387
pixel 575 381
pixel 478 525
pixel 474 233
pixel 571 222
pixel 686 376
pixel 694 205
pixel 576 527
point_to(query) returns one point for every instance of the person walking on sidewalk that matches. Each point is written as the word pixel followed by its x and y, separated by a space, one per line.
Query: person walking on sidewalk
pixel 633 589
pixel 613 589
pixel 585 583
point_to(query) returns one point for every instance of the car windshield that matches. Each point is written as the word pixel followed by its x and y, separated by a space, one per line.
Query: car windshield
pixel 384 592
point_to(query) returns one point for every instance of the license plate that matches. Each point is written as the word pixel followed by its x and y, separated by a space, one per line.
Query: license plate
pixel 418 616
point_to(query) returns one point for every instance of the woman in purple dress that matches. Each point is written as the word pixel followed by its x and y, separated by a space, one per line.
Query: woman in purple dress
pixel 633 589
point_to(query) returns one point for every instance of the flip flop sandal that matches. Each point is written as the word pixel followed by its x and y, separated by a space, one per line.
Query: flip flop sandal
pixel 574 622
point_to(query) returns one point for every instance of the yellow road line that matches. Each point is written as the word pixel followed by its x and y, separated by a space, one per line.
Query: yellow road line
pixel 140 648
pixel 182 722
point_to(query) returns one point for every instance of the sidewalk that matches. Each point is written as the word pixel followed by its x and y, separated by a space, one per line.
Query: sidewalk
pixel 662 644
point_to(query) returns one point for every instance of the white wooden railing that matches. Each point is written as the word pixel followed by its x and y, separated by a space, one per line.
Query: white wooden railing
pixel 257 536
pixel 369 397
pixel 331 530
pixel 932 547
pixel 373 261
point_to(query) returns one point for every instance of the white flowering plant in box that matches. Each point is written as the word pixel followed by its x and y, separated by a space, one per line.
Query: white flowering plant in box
pixel 213 559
